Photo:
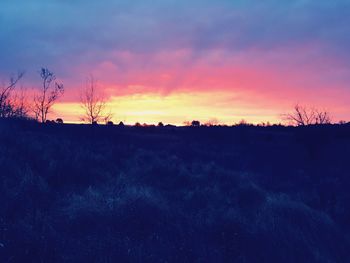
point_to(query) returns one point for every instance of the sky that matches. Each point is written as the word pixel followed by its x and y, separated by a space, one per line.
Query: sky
pixel 175 60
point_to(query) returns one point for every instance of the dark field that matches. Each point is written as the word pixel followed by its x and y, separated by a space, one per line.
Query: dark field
pixel 79 193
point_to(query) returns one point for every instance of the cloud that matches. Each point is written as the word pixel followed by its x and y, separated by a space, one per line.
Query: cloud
pixel 268 47
pixel 35 31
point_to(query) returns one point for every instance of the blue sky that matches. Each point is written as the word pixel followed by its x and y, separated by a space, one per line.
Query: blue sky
pixel 302 47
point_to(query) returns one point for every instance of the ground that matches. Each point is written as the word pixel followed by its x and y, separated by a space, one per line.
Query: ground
pixel 83 193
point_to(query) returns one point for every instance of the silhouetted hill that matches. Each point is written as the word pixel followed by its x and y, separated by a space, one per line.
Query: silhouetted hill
pixel 84 193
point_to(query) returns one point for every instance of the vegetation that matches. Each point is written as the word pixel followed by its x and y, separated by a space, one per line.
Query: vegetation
pixel 94 104
pixel 302 116
pixel 85 193
pixel 12 104
pixel 50 92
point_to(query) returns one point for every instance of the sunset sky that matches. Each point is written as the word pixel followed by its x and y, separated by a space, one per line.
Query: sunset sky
pixel 177 60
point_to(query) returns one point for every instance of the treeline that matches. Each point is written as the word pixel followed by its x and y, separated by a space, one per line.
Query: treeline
pixel 15 104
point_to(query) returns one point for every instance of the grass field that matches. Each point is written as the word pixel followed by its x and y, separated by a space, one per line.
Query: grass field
pixel 82 193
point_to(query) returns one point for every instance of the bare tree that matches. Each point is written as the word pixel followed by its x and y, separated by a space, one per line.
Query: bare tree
pixel 20 108
pixel 322 117
pixel 93 103
pixel 50 92
pixel 8 107
pixel 302 116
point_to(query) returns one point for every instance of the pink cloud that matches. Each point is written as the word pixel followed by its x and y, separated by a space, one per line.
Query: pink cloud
pixel 275 79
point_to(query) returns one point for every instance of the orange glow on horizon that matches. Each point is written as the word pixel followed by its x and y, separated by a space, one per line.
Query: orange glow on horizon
pixel 254 86
pixel 174 109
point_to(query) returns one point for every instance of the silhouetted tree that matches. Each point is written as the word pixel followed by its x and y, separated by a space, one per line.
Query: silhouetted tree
pixel 20 105
pixel 243 122
pixel 302 116
pixel 10 105
pixel 195 123
pixel 93 103
pixel 212 122
pixel 59 120
pixel 160 124
pixel 322 117
pixel 50 92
